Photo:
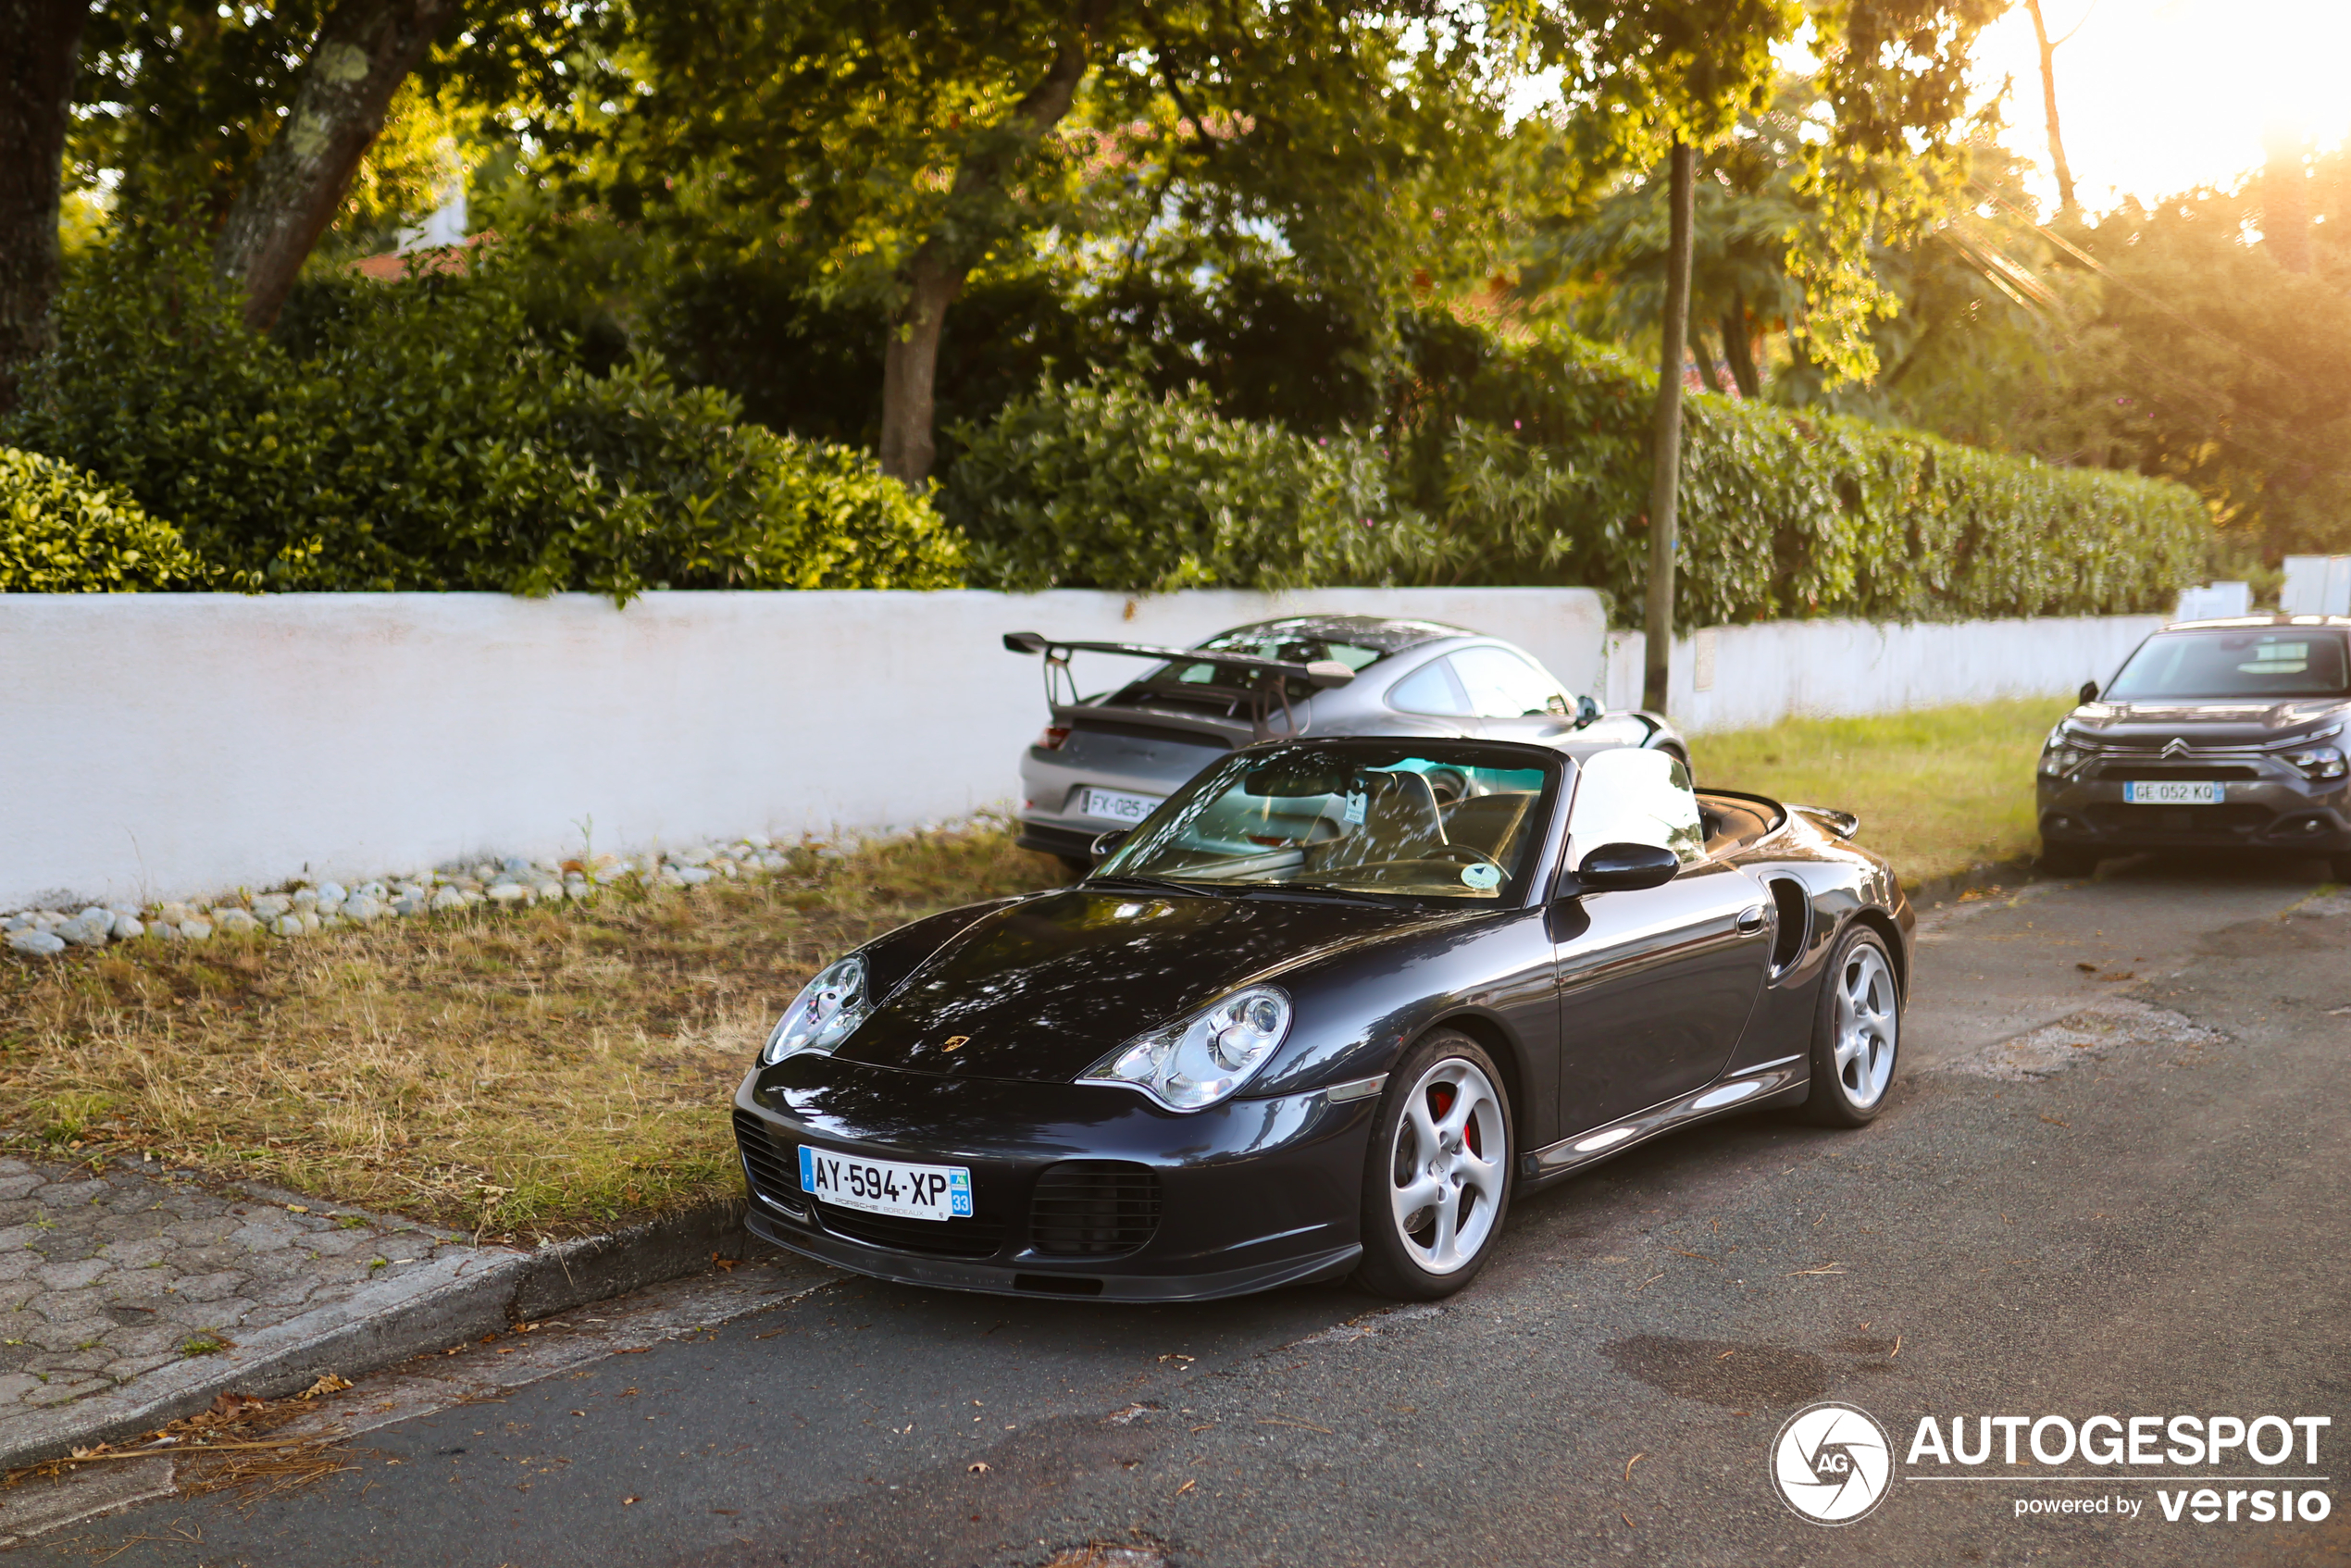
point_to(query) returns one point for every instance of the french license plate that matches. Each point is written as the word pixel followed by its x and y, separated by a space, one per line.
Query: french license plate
pixel 885 1186
pixel 2175 792
pixel 1117 805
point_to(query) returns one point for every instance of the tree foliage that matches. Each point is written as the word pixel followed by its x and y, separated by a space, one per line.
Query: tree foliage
pixel 419 437
pixel 62 531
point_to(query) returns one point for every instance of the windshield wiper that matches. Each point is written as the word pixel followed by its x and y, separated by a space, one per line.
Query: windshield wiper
pixel 1323 890
pixel 1153 882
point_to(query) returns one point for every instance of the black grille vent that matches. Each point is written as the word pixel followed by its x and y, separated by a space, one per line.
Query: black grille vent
pixel 938 1238
pixel 2192 773
pixel 2142 822
pixel 1093 1208
pixel 770 1173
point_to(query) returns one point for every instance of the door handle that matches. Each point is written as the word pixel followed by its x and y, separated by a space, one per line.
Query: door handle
pixel 1751 919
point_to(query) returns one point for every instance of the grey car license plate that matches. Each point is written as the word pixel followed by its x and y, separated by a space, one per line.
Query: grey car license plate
pixel 886 1187
pixel 2175 792
pixel 1117 805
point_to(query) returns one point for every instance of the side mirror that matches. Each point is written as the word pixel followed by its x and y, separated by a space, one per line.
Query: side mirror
pixel 2089 693
pixel 1587 710
pixel 1023 642
pixel 1105 842
pixel 1624 869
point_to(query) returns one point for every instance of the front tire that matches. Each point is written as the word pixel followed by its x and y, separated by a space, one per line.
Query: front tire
pixel 1857 1032
pixel 1437 1181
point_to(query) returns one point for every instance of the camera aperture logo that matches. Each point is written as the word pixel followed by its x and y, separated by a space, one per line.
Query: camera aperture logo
pixel 1832 1463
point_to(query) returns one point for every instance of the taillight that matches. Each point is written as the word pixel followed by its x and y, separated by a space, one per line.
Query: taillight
pixel 1052 740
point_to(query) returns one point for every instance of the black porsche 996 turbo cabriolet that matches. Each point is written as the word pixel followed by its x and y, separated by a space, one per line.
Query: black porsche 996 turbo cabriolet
pixel 1327 1009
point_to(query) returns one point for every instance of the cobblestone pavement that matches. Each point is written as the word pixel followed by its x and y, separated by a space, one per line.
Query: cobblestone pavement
pixel 106 1277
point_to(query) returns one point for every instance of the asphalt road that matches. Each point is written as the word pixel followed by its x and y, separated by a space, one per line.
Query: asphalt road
pixel 2156 1227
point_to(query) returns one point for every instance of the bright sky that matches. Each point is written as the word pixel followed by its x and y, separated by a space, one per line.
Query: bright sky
pixel 2157 95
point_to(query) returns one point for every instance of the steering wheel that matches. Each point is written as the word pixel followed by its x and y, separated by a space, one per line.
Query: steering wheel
pixel 1467 854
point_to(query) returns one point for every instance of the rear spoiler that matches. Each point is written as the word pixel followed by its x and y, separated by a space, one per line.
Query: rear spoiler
pixel 1321 674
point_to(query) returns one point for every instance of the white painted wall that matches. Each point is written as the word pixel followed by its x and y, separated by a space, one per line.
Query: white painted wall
pixel 179 745
pixel 1745 677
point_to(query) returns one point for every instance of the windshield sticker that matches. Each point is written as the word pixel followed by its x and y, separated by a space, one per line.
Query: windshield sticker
pixel 1482 877
pixel 1356 801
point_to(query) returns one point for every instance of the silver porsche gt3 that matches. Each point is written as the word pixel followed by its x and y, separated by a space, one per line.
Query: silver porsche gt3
pixel 1105 760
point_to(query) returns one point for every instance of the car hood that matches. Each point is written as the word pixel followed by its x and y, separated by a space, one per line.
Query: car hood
pixel 1043 989
pixel 2203 723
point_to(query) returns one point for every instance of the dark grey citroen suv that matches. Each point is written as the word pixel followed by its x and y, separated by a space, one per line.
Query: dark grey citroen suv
pixel 2225 734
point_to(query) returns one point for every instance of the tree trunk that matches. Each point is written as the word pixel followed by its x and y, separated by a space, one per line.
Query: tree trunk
pixel 365 49
pixel 934 275
pixel 1666 435
pixel 910 365
pixel 38 39
pixel 1709 374
pixel 1739 349
pixel 2048 106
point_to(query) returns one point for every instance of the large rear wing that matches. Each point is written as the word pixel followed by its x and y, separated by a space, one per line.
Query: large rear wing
pixel 1268 680
pixel 1321 674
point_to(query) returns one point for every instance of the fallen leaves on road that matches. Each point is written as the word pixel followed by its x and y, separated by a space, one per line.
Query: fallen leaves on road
pixel 328 1384
pixel 1632 1462
pixel 2055 1123
pixel 1824 1269
pixel 627 1501
pixel 978 1467
pixel 1186 1488
pixel 1897 1350
pixel 1285 1421
pixel 1645 1284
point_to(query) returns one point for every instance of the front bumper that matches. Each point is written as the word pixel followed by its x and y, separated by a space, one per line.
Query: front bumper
pixel 1250 1195
pixel 2275 808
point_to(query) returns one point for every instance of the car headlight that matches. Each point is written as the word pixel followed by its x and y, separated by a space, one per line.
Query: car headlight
pixel 826 1011
pixel 1193 1062
pixel 2060 756
pixel 2319 762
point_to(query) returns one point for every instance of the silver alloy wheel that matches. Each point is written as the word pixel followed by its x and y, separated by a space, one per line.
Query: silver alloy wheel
pixel 1868 1019
pixel 1447 1170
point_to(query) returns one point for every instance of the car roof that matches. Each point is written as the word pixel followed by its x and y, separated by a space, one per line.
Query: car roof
pixel 1382 633
pixel 2268 618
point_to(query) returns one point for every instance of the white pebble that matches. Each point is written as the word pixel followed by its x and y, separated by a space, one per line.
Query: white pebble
pixel 288 926
pixel 270 907
pixel 448 898
pixel 195 928
pixel 127 927
pixel 84 930
pixel 332 892
pixel 507 892
pixel 305 898
pixel 36 944
pixel 363 909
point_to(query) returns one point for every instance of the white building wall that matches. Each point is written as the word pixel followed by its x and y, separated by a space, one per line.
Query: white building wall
pixel 1746 676
pixel 177 745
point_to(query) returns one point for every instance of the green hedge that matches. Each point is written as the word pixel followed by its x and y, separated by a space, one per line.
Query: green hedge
pixel 417 437
pixel 61 532
pixel 1536 468
pixel 1105 484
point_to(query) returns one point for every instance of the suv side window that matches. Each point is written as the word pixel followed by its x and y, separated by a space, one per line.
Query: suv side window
pixel 1626 795
pixel 1429 689
pixel 1503 685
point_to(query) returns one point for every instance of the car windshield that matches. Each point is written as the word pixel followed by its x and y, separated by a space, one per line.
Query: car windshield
pixel 2234 663
pixel 1453 822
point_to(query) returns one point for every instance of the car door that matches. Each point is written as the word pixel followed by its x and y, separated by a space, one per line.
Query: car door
pixel 1655 985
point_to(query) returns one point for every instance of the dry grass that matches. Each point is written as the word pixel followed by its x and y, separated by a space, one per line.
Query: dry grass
pixel 541 1071
pixel 1938 791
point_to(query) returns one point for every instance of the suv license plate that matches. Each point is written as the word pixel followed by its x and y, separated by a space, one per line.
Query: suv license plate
pixel 2175 792
pixel 885 1186
pixel 1118 805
